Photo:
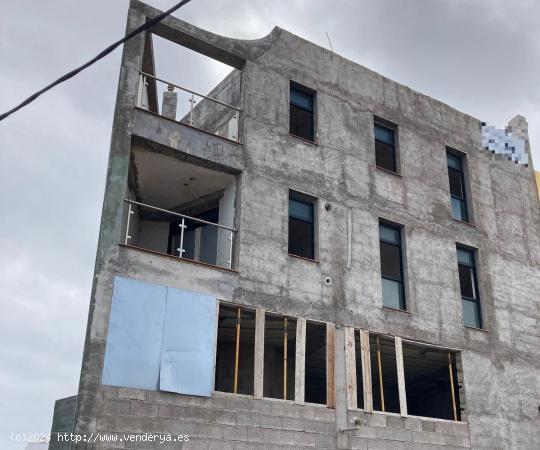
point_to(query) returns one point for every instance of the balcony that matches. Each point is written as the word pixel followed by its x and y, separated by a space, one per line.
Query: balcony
pixel 209 113
pixel 180 208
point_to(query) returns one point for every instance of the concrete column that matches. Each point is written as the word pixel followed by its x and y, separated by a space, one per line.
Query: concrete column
pixel 111 229
pixel 170 100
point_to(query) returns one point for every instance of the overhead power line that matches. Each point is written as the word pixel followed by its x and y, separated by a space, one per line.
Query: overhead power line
pixel 104 53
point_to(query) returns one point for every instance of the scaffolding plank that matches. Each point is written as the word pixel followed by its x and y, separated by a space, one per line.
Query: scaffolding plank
pixel 300 366
pixel 366 370
pixel 401 377
pixel 330 359
pixel 350 367
pixel 259 353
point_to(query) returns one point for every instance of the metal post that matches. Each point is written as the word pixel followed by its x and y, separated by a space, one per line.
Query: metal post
pixel 181 248
pixel 452 392
pixel 380 374
pixel 237 350
pixel 285 334
pixel 130 212
pixel 192 101
pixel 237 124
pixel 230 249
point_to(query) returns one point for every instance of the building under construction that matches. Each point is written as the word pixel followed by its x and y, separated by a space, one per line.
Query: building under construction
pixel 310 255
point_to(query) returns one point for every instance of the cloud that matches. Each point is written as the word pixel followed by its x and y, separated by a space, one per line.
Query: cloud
pixel 480 57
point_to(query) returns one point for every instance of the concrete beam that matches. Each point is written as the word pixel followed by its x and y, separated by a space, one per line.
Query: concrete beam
pixel 187 142
pixel 233 52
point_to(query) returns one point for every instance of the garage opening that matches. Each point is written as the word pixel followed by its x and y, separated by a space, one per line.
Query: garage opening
pixel 279 356
pixel 431 382
pixel 315 369
pixel 384 378
pixel 235 356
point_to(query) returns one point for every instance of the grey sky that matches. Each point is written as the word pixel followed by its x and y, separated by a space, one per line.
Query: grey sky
pixel 481 57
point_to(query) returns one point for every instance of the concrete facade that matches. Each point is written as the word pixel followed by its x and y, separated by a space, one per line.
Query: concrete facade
pixel 500 364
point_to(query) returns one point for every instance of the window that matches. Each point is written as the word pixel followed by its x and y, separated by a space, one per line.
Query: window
pixel 279 356
pixel 315 368
pixel 301 119
pixel 468 283
pixel 301 226
pixel 431 382
pixel 385 147
pixel 391 266
pixel 456 179
pixel 406 377
pixel 235 356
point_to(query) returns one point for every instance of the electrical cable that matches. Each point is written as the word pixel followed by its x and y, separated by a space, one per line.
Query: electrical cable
pixel 101 55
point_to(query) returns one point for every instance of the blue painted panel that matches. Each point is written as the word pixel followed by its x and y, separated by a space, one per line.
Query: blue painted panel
pixel 188 356
pixel 134 341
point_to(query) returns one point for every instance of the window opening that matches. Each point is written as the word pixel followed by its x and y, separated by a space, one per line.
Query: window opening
pixel 235 350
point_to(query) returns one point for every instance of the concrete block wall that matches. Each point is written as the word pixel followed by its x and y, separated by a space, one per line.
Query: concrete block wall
pixel 220 422
pixel 238 422
pixel 390 431
pixel 235 422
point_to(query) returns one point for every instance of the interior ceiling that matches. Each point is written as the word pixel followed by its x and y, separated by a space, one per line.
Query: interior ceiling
pixel 420 362
pixel 166 182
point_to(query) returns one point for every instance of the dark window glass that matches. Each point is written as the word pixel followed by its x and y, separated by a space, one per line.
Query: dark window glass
pixel 393 295
pixel 391 266
pixel 301 99
pixel 384 134
pixel 390 261
pixel 301 121
pixel 456 186
pixel 390 234
pixel 459 209
pixel 301 228
pixel 466 281
pixel 456 179
pixel 454 161
pixel 301 210
pixel 471 313
pixel 465 257
pixel 469 288
pixel 385 150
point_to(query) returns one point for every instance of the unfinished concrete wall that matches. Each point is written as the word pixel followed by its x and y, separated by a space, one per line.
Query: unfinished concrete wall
pixel 214 117
pixel 153 235
pixel 501 368
pixel 226 217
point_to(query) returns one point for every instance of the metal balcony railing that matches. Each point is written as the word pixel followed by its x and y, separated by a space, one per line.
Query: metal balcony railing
pixel 188 241
pixel 202 112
